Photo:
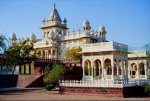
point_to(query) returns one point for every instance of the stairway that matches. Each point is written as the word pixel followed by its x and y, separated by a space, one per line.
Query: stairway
pixel 32 80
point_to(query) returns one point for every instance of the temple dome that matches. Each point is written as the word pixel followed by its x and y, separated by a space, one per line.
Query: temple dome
pixel 54 15
pixel 86 24
pixel 13 37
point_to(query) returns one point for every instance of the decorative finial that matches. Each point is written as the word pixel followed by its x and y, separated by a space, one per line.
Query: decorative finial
pixel 54 5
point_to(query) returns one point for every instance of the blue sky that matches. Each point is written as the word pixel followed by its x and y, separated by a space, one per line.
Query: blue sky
pixel 126 21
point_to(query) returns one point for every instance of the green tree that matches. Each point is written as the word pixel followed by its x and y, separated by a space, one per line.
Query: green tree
pixel 19 54
pixel 72 53
pixel 2 42
pixel 52 77
pixel 147 89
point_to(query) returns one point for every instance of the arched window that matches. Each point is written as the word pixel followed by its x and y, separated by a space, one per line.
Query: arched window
pixel 141 69
pixel 125 67
pixel 120 67
pixel 97 69
pixel 115 67
pixel 133 70
pixel 87 67
pixel 108 66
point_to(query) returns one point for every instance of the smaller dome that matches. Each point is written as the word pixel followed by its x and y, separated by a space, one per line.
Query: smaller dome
pixel 65 20
pixel 13 37
pixel 86 24
pixel 43 20
pixel 101 28
pixel 33 37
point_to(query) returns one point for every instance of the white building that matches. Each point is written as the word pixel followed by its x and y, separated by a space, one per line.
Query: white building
pixel 101 59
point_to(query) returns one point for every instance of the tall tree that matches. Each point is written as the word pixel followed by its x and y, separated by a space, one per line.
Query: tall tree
pixel 2 42
pixel 19 54
pixel 72 53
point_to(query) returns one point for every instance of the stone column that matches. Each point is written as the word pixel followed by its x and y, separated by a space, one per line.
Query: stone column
pixel 145 69
pixel 117 65
pixel 56 53
pixel 24 68
pixel 122 69
pixel 99 67
pixel 137 71
pixel 103 74
pixel 51 53
pixel 41 54
pixel 92 69
pixel 89 71
pixel 127 69
pixel 83 69
pixel 112 66
pixel 20 69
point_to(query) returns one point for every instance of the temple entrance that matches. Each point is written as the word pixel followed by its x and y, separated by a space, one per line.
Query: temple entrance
pixel 97 69
pixel 133 70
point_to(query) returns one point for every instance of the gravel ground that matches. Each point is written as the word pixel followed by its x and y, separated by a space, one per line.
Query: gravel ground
pixel 42 94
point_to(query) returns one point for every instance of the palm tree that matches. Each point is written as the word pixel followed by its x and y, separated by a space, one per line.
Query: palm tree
pixel 2 42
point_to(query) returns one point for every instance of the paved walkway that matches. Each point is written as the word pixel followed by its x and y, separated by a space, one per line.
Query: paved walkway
pixel 42 94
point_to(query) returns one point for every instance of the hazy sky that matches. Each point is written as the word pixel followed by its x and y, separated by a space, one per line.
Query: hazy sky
pixel 126 21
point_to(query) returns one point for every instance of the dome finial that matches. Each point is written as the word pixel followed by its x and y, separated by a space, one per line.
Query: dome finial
pixel 54 5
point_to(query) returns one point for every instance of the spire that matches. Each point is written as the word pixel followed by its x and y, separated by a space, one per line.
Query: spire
pixel 54 16
pixel 54 5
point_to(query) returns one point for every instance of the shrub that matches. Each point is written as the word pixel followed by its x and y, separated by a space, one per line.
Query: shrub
pixel 49 86
pixel 147 89
pixel 51 79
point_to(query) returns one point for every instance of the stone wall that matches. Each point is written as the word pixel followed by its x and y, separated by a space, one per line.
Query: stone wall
pixel 30 80
pixel 104 91
pixel 8 81
pixel 21 81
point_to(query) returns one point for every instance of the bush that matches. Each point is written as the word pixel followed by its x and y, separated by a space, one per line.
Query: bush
pixel 53 76
pixel 147 89
pixel 49 86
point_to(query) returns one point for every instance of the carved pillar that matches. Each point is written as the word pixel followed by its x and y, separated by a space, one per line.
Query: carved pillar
pixel 122 69
pixel 112 66
pixel 29 68
pixel 92 69
pixel 146 70
pixel 103 71
pixel 117 65
pixel 127 73
pixel 51 53
pixel 137 71
pixel 20 69
pixel 24 68
pixel 83 68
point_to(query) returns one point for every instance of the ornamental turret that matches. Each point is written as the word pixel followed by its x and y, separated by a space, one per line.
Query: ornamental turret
pixel 13 39
pixel 54 16
pixel 33 37
pixel 86 25
pixel 102 33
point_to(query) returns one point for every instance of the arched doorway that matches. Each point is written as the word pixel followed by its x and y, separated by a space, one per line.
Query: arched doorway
pixel 141 69
pixel 97 69
pixel 115 67
pixel 108 67
pixel 87 68
pixel 125 67
pixel 120 67
pixel 133 70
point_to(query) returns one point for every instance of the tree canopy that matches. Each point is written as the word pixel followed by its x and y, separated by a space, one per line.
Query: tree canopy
pixel 19 54
pixel 2 42
pixel 72 53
